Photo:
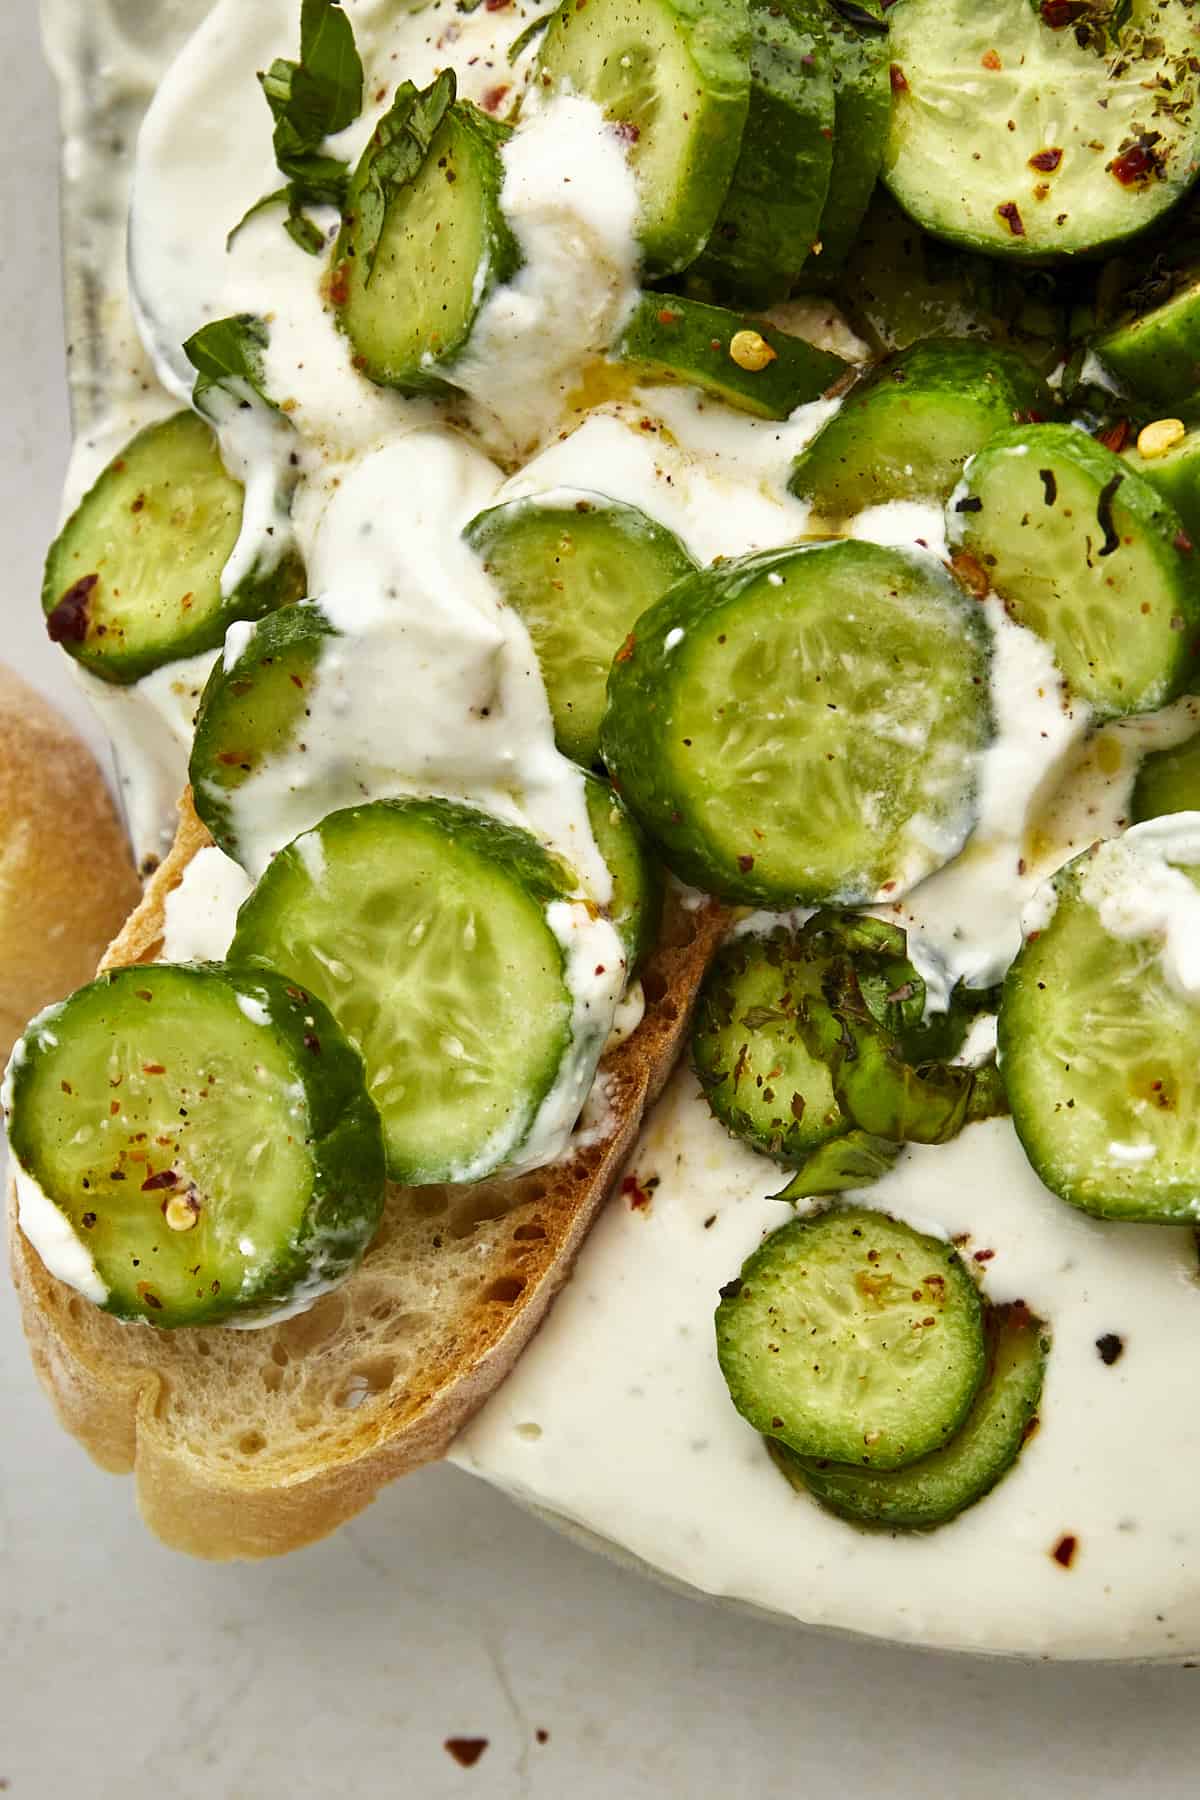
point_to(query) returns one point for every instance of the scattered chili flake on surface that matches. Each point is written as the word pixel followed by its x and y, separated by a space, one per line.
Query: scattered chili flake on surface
pixel 667 317
pixel 1116 437
pixel 1136 164
pixel 1057 13
pixel 971 573
pixel 154 1184
pixel 982 1256
pixel 898 78
pixel 153 1069
pixel 1010 212
pixel 627 131
pixel 991 60
pixel 626 650
pixel 745 864
pixel 1064 1551
pixel 1184 543
pixel 1046 161
pixel 494 98
pixel 68 623
pixel 637 1195
pixel 1111 1348
pixel 467 1751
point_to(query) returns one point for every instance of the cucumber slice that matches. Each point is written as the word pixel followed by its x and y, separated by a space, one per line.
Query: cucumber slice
pixel 1100 1047
pixel 409 312
pixel 1088 555
pixel 745 362
pixel 673 76
pixel 1176 476
pixel 906 431
pixel 638 887
pixel 423 925
pixel 1024 138
pixel 1157 353
pixel 251 711
pixel 771 216
pixel 858 38
pixel 1168 782
pixel 207 1136
pixel 133 581
pixel 852 1337
pixel 579 568
pixel 802 726
pixel 985 1447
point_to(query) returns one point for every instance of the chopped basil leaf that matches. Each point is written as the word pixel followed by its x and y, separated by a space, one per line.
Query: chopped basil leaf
pixel 524 38
pixel 852 1161
pixel 228 354
pixel 396 155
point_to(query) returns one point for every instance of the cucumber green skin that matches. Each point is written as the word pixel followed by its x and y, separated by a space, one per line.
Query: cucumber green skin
pixel 343 1134
pixel 644 692
pixel 1157 354
pixel 669 338
pixel 1144 511
pixel 862 113
pixel 716 36
pixel 278 901
pixel 776 1276
pixel 1168 782
pixel 639 886
pixel 74 557
pixel 732 1058
pixel 233 720
pixel 475 140
pixel 1176 477
pixel 1039 1061
pixel 771 216
pixel 935 1490
pixel 906 430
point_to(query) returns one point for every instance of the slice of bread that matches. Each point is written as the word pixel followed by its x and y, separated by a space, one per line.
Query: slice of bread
pixel 251 1443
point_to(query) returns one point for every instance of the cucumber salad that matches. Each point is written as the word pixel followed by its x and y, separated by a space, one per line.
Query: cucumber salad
pixel 744 453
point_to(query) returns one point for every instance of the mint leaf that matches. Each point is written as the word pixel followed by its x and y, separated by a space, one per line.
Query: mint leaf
pixel 396 156
pixel 228 354
pixel 311 100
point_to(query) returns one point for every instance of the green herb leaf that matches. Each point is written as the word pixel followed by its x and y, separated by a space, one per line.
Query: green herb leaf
pixel 396 156
pixel 281 197
pixel 228 354
pixel 524 38
pixel 852 1161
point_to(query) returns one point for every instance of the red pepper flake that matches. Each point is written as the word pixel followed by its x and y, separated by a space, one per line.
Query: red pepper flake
pixel 166 1178
pixel 1010 212
pixel 467 1751
pixel 153 1069
pixel 667 317
pixel 1137 164
pixel 1064 1551
pixel 626 650
pixel 599 968
pixel 339 285
pixel 1116 437
pixel 971 573
pixel 982 1256
pixel 637 1195
pixel 494 98
pixel 745 864
pixel 627 131
pixel 898 79
pixel 150 1299
pixel 1183 542
pixel 1057 13
pixel 1046 161
pixel 991 60
pixel 68 623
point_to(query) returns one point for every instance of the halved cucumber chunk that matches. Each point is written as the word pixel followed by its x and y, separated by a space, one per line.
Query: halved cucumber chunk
pixel 1087 554
pixel 1038 131
pixel 252 711
pixel 858 39
pixel 905 432
pixel 771 216
pixel 1173 472
pixel 638 889
pixel 409 302
pixel 1168 782
pixel 936 1489
pixel 134 579
pixel 802 726
pixel 1156 353
pixel 207 1136
pixel 673 77
pixel 746 362
pixel 423 925
pixel 1100 1029
pixel 852 1337
pixel 579 568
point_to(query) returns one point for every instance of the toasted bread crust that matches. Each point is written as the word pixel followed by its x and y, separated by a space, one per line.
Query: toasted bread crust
pixel 129 1394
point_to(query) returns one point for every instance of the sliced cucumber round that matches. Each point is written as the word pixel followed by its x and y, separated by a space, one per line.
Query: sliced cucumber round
pixel 906 431
pixel 802 726
pixel 936 1489
pixel 1035 131
pixel 673 77
pixel 579 569
pixel 771 216
pixel 1157 353
pixel 251 710
pixel 408 302
pixel 1099 1045
pixel 206 1134
pixel 852 1337
pixel 637 879
pixel 134 579
pixel 1087 554
pixel 858 38
pixel 423 925
pixel 1168 782
pixel 745 362
pixel 1175 473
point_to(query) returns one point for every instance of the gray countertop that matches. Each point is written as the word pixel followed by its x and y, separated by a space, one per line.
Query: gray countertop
pixel 444 1612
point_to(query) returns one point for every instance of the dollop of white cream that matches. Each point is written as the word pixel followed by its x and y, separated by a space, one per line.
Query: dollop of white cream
pixel 202 911
pixel 55 1239
pixel 1136 885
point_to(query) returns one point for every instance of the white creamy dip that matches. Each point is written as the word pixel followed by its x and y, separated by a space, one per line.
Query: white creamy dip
pixel 617 1418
